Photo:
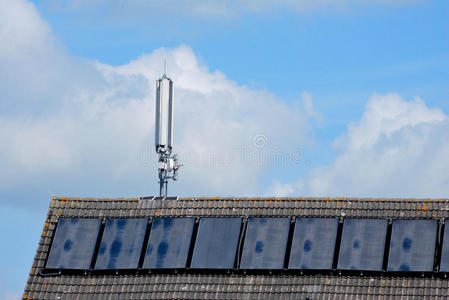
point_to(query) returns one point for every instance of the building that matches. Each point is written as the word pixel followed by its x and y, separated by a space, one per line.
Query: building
pixel 367 251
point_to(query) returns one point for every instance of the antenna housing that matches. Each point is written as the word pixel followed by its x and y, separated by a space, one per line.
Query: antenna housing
pixel 168 164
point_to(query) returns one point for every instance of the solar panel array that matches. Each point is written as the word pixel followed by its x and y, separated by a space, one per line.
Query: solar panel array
pixel 256 243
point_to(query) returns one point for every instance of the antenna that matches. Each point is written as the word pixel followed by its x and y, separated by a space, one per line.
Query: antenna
pixel 168 164
pixel 165 66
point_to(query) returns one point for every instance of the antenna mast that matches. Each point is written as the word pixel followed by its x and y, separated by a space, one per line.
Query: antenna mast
pixel 168 164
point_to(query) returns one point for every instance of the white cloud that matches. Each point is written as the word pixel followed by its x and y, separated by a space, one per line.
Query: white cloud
pixel 89 125
pixel 309 108
pixel 397 149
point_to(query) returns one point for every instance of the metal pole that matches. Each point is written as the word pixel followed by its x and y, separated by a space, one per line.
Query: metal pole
pixel 161 188
pixel 163 183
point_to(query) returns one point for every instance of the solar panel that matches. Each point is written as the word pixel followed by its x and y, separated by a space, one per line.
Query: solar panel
pixel 313 243
pixel 362 244
pixel 121 244
pixel 444 264
pixel 265 243
pixel 412 246
pixel 169 243
pixel 216 243
pixel 73 244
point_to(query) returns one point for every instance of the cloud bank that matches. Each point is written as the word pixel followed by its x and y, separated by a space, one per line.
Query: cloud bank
pixel 81 127
pixel 397 149
pixel 72 124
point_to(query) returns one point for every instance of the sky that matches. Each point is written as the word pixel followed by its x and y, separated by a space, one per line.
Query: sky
pixel 343 98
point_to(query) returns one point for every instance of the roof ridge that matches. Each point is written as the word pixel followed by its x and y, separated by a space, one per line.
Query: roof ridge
pixel 380 199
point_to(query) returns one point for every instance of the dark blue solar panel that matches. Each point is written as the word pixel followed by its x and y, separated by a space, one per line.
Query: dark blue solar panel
pixel 265 243
pixel 444 264
pixel 73 244
pixel 121 244
pixel 169 243
pixel 313 243
pixel 362 244
pixel 412 246
pixel 216 243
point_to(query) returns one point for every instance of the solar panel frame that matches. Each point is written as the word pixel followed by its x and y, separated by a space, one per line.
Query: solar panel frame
pixel 263 239
pixel 121 244
pixel 169 243
pixel 444 260
pixel 216 244
pixel 362 245
pixel 73 244
pixel 313 244
pixel 406 255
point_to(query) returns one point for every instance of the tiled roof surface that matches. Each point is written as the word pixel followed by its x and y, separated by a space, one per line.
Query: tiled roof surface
pixel 233 286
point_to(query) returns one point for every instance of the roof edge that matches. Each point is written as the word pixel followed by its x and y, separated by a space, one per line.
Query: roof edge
pixel 67 198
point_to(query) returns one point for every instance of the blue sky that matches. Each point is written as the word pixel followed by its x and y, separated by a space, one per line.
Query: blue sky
pixel 349 98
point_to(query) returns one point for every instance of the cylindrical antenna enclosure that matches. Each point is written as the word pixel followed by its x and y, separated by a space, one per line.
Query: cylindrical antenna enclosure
pixel 164 114
pixel 170 115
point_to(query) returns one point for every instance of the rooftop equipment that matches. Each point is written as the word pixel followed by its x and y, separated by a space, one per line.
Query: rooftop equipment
pixel 168 164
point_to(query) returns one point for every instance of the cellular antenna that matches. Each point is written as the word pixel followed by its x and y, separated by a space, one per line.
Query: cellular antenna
pixel 168 164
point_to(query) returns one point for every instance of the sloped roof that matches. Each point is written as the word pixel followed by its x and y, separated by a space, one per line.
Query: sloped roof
pixel 281 285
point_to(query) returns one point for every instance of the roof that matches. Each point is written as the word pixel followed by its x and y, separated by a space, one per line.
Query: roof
pixel 233 285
